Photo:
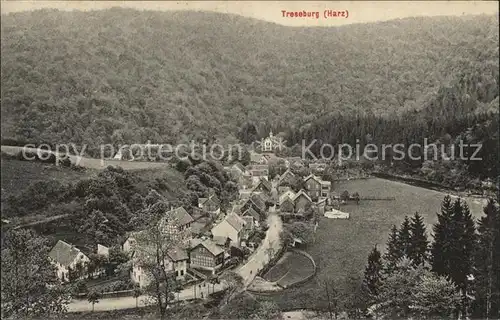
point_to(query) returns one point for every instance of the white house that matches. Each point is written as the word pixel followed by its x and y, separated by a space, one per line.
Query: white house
pixel 231 227
pixel 67 257
pixel 102 250
pixel 176 260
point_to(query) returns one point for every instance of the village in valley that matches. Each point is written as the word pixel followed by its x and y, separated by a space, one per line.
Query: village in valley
pixel 207 161
pixel 216 240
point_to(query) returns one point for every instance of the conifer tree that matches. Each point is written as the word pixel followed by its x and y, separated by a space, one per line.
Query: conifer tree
pixel 404 237
pixel 419 243
pixel 373 272
pixel 393 254
pixel 440 249
pixel 487 263
pixel 462 249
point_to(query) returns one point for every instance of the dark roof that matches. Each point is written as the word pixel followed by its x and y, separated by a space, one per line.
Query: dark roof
pixel 181 216
pixel 215 199
pixel 265 183
pixel 258 201
pixel 64 253
pixel 251 212
pixel 211 201
pixel 302 193
pixel 207 244
pixel 177 254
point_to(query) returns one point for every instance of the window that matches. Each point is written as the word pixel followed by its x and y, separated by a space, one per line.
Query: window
pixel 182 272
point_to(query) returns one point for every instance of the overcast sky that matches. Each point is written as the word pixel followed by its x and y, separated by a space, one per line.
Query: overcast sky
pixel 359 11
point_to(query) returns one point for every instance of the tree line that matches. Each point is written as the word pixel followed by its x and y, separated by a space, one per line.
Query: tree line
pixel 456 274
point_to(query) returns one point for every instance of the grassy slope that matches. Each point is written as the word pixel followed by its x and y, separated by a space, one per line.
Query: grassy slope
pixel 342 246
pixel 17 175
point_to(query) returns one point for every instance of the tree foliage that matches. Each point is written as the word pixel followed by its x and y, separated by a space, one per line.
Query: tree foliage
pixel 30 287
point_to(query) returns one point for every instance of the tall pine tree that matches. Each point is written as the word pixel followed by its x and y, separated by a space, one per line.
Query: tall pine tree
pixel 443 238
pixel 373 272
pixel 462 249
pixel 419 244
pixel 404 238
pixel 393 254
pixel 487 262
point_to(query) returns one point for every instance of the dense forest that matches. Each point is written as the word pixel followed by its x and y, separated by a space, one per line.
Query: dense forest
pixel 127 76
pixel 465 111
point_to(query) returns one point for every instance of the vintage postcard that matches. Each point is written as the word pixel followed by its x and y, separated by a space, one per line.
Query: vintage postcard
pixel 250 160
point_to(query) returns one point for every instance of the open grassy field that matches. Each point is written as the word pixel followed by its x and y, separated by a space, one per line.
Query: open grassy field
pixel 17 175
pixel 342 246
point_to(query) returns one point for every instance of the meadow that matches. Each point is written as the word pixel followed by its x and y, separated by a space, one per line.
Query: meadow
pixel 341 246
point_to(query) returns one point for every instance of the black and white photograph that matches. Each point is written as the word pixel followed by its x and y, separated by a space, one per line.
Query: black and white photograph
pixel 264 160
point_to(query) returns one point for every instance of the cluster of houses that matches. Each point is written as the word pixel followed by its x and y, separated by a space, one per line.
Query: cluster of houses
pixel 212 232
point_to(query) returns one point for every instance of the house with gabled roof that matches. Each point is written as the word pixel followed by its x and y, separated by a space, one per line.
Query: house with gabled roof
pixel 263 186
pixel 313 186
pixel 286 203
pixel 236 170
pixel 250 212
pixel 231 227
pixel 302 200
pixel 288 177
pixel 257 202
pixel 139 249
pixel 180 218
pixel 205 255
pixel 67 258
pixel 211 204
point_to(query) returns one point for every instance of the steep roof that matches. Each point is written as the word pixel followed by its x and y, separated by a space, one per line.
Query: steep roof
pixel 266 184
pixel 207 244
pixel 64 253
pixel 211 201
pixel 181 216
pixel 251 212
pixel 312 176
pixel 302 193
pixel 289 194
pixel 177 254
pixel 235 221
pixel 286 173
pixel 215 199
pixel 258 201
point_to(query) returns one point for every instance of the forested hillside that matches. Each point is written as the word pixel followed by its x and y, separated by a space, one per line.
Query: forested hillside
pixel 126 76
